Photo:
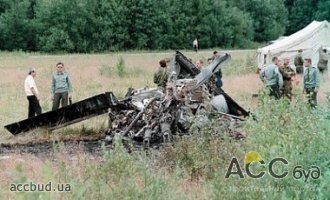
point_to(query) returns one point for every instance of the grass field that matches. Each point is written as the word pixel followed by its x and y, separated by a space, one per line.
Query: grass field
pixel 192 168
pixel 97 73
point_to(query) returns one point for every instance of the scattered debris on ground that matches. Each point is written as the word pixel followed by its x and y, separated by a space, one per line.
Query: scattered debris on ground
pixel 152 116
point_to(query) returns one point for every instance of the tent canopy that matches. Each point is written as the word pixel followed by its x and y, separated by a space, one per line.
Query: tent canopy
pixel 310 39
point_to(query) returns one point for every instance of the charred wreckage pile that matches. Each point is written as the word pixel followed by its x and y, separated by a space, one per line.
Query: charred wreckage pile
pixel 154 115
pixel 189 100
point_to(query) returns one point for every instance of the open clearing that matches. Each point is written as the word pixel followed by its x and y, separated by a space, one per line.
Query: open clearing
pixel 92 74
pixel 191 169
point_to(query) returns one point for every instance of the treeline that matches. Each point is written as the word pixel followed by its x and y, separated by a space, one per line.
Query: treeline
pixel 111 25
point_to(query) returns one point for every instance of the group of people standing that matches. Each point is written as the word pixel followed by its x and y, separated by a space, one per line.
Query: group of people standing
pixel 278 77
pixel 61 90
pixel 162 74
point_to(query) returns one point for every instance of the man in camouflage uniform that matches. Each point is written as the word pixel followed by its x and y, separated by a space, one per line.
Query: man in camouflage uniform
pixel 299 63
pixel 161 76
pixel 322 65
pixel 217 75
pixel 287 74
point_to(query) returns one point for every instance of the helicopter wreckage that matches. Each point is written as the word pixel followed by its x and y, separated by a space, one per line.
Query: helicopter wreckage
pixel 151 115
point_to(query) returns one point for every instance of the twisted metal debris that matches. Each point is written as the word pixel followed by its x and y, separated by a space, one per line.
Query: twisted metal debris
pixel 189 100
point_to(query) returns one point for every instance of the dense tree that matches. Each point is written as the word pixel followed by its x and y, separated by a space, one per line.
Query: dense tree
pixel 323 10
pixel 269 17
pixel 63 25
pixel 17 30
pixel 183 23
pixel 141 20
pixel 232 29
pixel 111 25
pixel 301 14
pixel 106 31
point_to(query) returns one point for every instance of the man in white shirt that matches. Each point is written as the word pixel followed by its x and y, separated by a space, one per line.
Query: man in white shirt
pixel 195 45
pixel 31 92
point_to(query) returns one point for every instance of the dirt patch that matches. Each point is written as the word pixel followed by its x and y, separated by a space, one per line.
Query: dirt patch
pixel 49 148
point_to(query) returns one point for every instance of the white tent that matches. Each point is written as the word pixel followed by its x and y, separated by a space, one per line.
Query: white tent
pixel 310 39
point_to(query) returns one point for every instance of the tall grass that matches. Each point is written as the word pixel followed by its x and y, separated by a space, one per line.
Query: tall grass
pixel 118 175
pixel 191 168
pixel 291 131
pixel 195 167
pixel 241 66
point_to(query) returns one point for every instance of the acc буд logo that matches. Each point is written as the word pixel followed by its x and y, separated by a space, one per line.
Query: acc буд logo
pixel 253 157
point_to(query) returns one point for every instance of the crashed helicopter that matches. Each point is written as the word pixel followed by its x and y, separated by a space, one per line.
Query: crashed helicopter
pixel 156 114
pixel 151 114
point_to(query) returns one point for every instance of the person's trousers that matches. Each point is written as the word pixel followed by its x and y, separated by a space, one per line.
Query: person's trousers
pixel 195 48
pixel 275 91
pixel 287 90
pixel 60 98
pixel 34 106
pixel 311 96
pixel 300 69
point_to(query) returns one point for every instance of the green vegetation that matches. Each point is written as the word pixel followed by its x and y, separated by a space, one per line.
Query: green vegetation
pixel 241 66
pixel 195 167
pixel 191 168
pixel 112 25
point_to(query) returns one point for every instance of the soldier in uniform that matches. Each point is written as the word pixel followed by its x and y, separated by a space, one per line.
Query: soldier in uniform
pixel 299 63
pixel 288 75
pixel 218 75
pixel 323 60
pixel 161 76
pixel 311 82
pixel 168 62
